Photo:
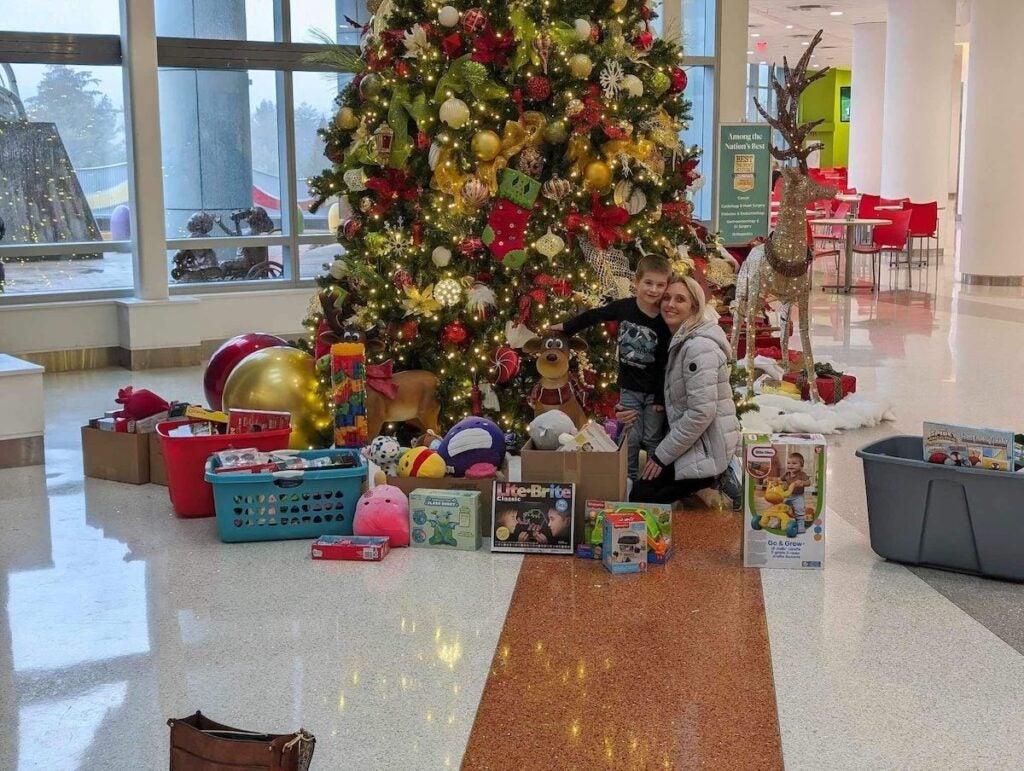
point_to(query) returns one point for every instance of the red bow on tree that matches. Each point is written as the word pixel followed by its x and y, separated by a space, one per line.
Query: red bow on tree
pixel 396 185
pixel 678 212
pixel 526 302
pixel 491 48
pixel 592 113
pixel 452 45
pixel 602 224
pixel 380 377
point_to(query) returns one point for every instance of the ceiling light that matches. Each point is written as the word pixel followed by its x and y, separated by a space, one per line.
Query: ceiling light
pixel 750 53
pixel 805 43
pixel 789 26
pixel 764 62
pixel 755 34
pixel 835 13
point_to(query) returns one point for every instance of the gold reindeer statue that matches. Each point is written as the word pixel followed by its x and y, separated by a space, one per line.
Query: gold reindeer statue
pixel 780 268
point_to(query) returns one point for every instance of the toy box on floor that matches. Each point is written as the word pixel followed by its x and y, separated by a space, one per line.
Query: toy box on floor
pixel 364 548
pixel 657 517
pixel 445 519
pixel 984 448
pixel 624 547
pixel 534 517
pixel 485 487
pixel 784 500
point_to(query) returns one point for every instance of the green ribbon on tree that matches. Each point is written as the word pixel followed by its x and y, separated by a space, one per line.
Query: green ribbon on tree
pixel 526 32
pixel 465 73
pixel 563 35
pixel 401 144
pixel 420 111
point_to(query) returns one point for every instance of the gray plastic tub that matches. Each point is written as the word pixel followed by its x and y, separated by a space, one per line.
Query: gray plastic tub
pixel 947 517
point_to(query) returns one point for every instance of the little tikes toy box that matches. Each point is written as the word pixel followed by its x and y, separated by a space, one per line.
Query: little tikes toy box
pixel 625 543
pixel 784 501
pixel 445 519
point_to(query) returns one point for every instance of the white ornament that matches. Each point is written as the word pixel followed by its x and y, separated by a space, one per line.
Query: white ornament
pixel 582 27
pixel 630 197
pixel 355 179
pixel 518 335
pixel 549 244
pixel 433 155
pixel 454 112
pixel 338 270
pixel 447 291
pixel 441 256
pixel 415 41
pixel 448 16
pixel 612 79
pixel 633 85
pixel 480 296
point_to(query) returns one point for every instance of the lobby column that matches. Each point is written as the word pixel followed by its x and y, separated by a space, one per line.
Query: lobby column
pixel 994 156
pixel 866 107
pixel 918 70
pixel 732 61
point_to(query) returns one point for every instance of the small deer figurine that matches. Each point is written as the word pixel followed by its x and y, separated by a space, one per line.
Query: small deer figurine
pixel 780 267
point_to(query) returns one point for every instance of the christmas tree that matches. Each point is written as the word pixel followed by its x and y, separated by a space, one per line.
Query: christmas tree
pixel 501 167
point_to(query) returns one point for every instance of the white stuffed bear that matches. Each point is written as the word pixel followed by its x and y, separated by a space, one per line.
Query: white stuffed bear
pixel 384 452
pixel 546 429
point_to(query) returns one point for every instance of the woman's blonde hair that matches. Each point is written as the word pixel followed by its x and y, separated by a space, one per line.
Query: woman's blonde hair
pixel 698 301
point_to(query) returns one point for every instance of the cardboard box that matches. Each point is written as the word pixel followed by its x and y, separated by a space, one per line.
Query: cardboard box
pixel 624 547
pixel 116 456
pixel 445 519
pixel 485 487
pixel 784 500
pixel 363 548
pixel 598 476
pixel 157 474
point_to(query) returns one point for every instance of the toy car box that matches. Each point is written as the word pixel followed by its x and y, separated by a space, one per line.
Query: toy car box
pixel 445 519
pixel 624 549
pixel 983 448
pixel 534 517
pixel 784 500
pixel 658 517
pixel 365 548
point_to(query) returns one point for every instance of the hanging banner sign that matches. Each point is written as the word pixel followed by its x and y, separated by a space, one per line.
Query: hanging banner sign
pixel 744 181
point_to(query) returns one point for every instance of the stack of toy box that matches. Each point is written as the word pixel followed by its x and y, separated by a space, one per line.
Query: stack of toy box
pixel 657 516
pixel 784 500
pixel 624 549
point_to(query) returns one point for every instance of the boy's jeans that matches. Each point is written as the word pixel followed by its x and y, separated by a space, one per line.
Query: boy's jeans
pixel 648 429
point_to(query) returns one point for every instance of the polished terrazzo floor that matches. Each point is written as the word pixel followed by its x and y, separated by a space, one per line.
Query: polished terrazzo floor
pixel 118 616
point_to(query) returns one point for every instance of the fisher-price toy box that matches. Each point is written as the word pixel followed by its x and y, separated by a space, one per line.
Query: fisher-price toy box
pixel 658 517
pixel 784 501
pixel 445 519
pixel 625 543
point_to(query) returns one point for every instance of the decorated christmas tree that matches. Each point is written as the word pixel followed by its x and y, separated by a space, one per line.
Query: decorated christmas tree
pixel 500 167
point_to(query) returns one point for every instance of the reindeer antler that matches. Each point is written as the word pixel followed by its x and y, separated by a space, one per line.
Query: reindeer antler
pixel 787 96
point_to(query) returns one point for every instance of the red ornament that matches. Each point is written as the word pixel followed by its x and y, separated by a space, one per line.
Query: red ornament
pixel 504 365
pixel 612 327
pixel 561 288
pixel 417 233
pixel 471 246
pixel 350 228
pixel 409 330
pixel 401 279
pixel 645 12
pixel 595 33
pixel 452 45
pixel 454 333
pixel 423 140
pixel 538 88
pixel 678 76
pixel 227 357
pixel 644 40
pixel 401 68
pixel 473 20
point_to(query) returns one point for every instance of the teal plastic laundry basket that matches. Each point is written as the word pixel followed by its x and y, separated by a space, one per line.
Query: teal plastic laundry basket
pixel 287 504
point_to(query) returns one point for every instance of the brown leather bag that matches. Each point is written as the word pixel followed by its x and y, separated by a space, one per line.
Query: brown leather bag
pixel 200 744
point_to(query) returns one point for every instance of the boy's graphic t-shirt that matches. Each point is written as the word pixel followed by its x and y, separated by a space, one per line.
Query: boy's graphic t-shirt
pixel 643 344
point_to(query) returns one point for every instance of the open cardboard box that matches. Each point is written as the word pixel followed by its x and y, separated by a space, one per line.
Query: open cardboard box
pixel 597 475
pixel 485 487
pixel 117 456
pixel 157 473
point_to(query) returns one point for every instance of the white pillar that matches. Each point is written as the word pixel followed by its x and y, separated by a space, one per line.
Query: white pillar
pixel 866 107
pixel 915 130
pixel 732 60
pixel 994 156
pixel 145 180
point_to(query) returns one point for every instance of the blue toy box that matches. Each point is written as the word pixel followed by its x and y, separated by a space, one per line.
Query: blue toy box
pixel 445 519
pixel 625 543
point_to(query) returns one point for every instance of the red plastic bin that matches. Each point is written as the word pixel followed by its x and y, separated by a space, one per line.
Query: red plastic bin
pixel 185 462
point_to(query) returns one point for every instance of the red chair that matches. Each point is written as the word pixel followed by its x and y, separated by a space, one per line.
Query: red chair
pixel 924 223
pixel 868 202
pixel 830 240
pixel 904 202
pixel 888 238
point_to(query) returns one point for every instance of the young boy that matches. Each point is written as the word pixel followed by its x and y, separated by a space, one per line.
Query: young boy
pixel 795 475
pixel 643 350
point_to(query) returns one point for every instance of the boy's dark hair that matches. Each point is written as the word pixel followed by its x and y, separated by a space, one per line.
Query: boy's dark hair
pixel 800 455
pixel 652 263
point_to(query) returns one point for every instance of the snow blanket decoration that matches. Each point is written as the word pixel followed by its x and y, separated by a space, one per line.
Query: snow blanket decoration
pixel 780 414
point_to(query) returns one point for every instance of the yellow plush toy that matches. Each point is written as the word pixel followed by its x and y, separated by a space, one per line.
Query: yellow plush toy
pixel 778 517
pixel 421 462
pixel 776 493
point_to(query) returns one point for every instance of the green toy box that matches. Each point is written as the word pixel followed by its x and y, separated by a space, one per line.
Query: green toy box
pixel 657 516
pixel 445 519
pixel 784 501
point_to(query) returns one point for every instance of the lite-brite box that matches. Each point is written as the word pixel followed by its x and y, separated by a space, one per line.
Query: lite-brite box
pixel 445 519
pixel 624 549
pixel 784 500
pixel 657 516
pixel 984 448
pixel 534 517
pixel 365 548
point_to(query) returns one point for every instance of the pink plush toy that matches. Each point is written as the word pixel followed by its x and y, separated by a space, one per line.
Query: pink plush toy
pixel 384 510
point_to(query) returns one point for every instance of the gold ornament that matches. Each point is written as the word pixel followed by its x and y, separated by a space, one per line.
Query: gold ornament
pixel 475 193
pixel 486 145
pixel 597 176
pixel 365 204
pixel 556 188
pixel 516 135
pixel 283 379
pixel 549 244
pixel 580 66
pixel 434 155
pixel 448 292
pixel 531 162
pixel 454 112
pixel 346 119
pixel 630 197
pixel 618 6
pixel 573 107
pixel 556 132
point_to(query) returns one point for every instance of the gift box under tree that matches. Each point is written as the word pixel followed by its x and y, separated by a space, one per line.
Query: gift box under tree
pixel 832 386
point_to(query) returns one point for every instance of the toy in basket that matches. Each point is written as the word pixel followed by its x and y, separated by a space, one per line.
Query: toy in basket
pixel 299 503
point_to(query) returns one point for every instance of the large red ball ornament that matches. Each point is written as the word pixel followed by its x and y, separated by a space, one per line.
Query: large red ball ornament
pixel 504 366
pixel 454 333
pixel 473 20
pixel 538 88
pixel 227 357
pixel 678 77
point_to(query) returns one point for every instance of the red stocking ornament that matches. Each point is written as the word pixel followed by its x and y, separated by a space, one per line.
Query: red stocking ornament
pixel 509 216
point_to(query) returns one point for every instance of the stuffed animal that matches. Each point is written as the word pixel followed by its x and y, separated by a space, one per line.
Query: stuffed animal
pixel 384 510
pixel 556 388
pixel 140 404
pixel 429 439
pixel 546 428
pixel 384 451
pixel 421 462
pixel 473 441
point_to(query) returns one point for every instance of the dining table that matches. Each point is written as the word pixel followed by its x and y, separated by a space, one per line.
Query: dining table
pixel 849 223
